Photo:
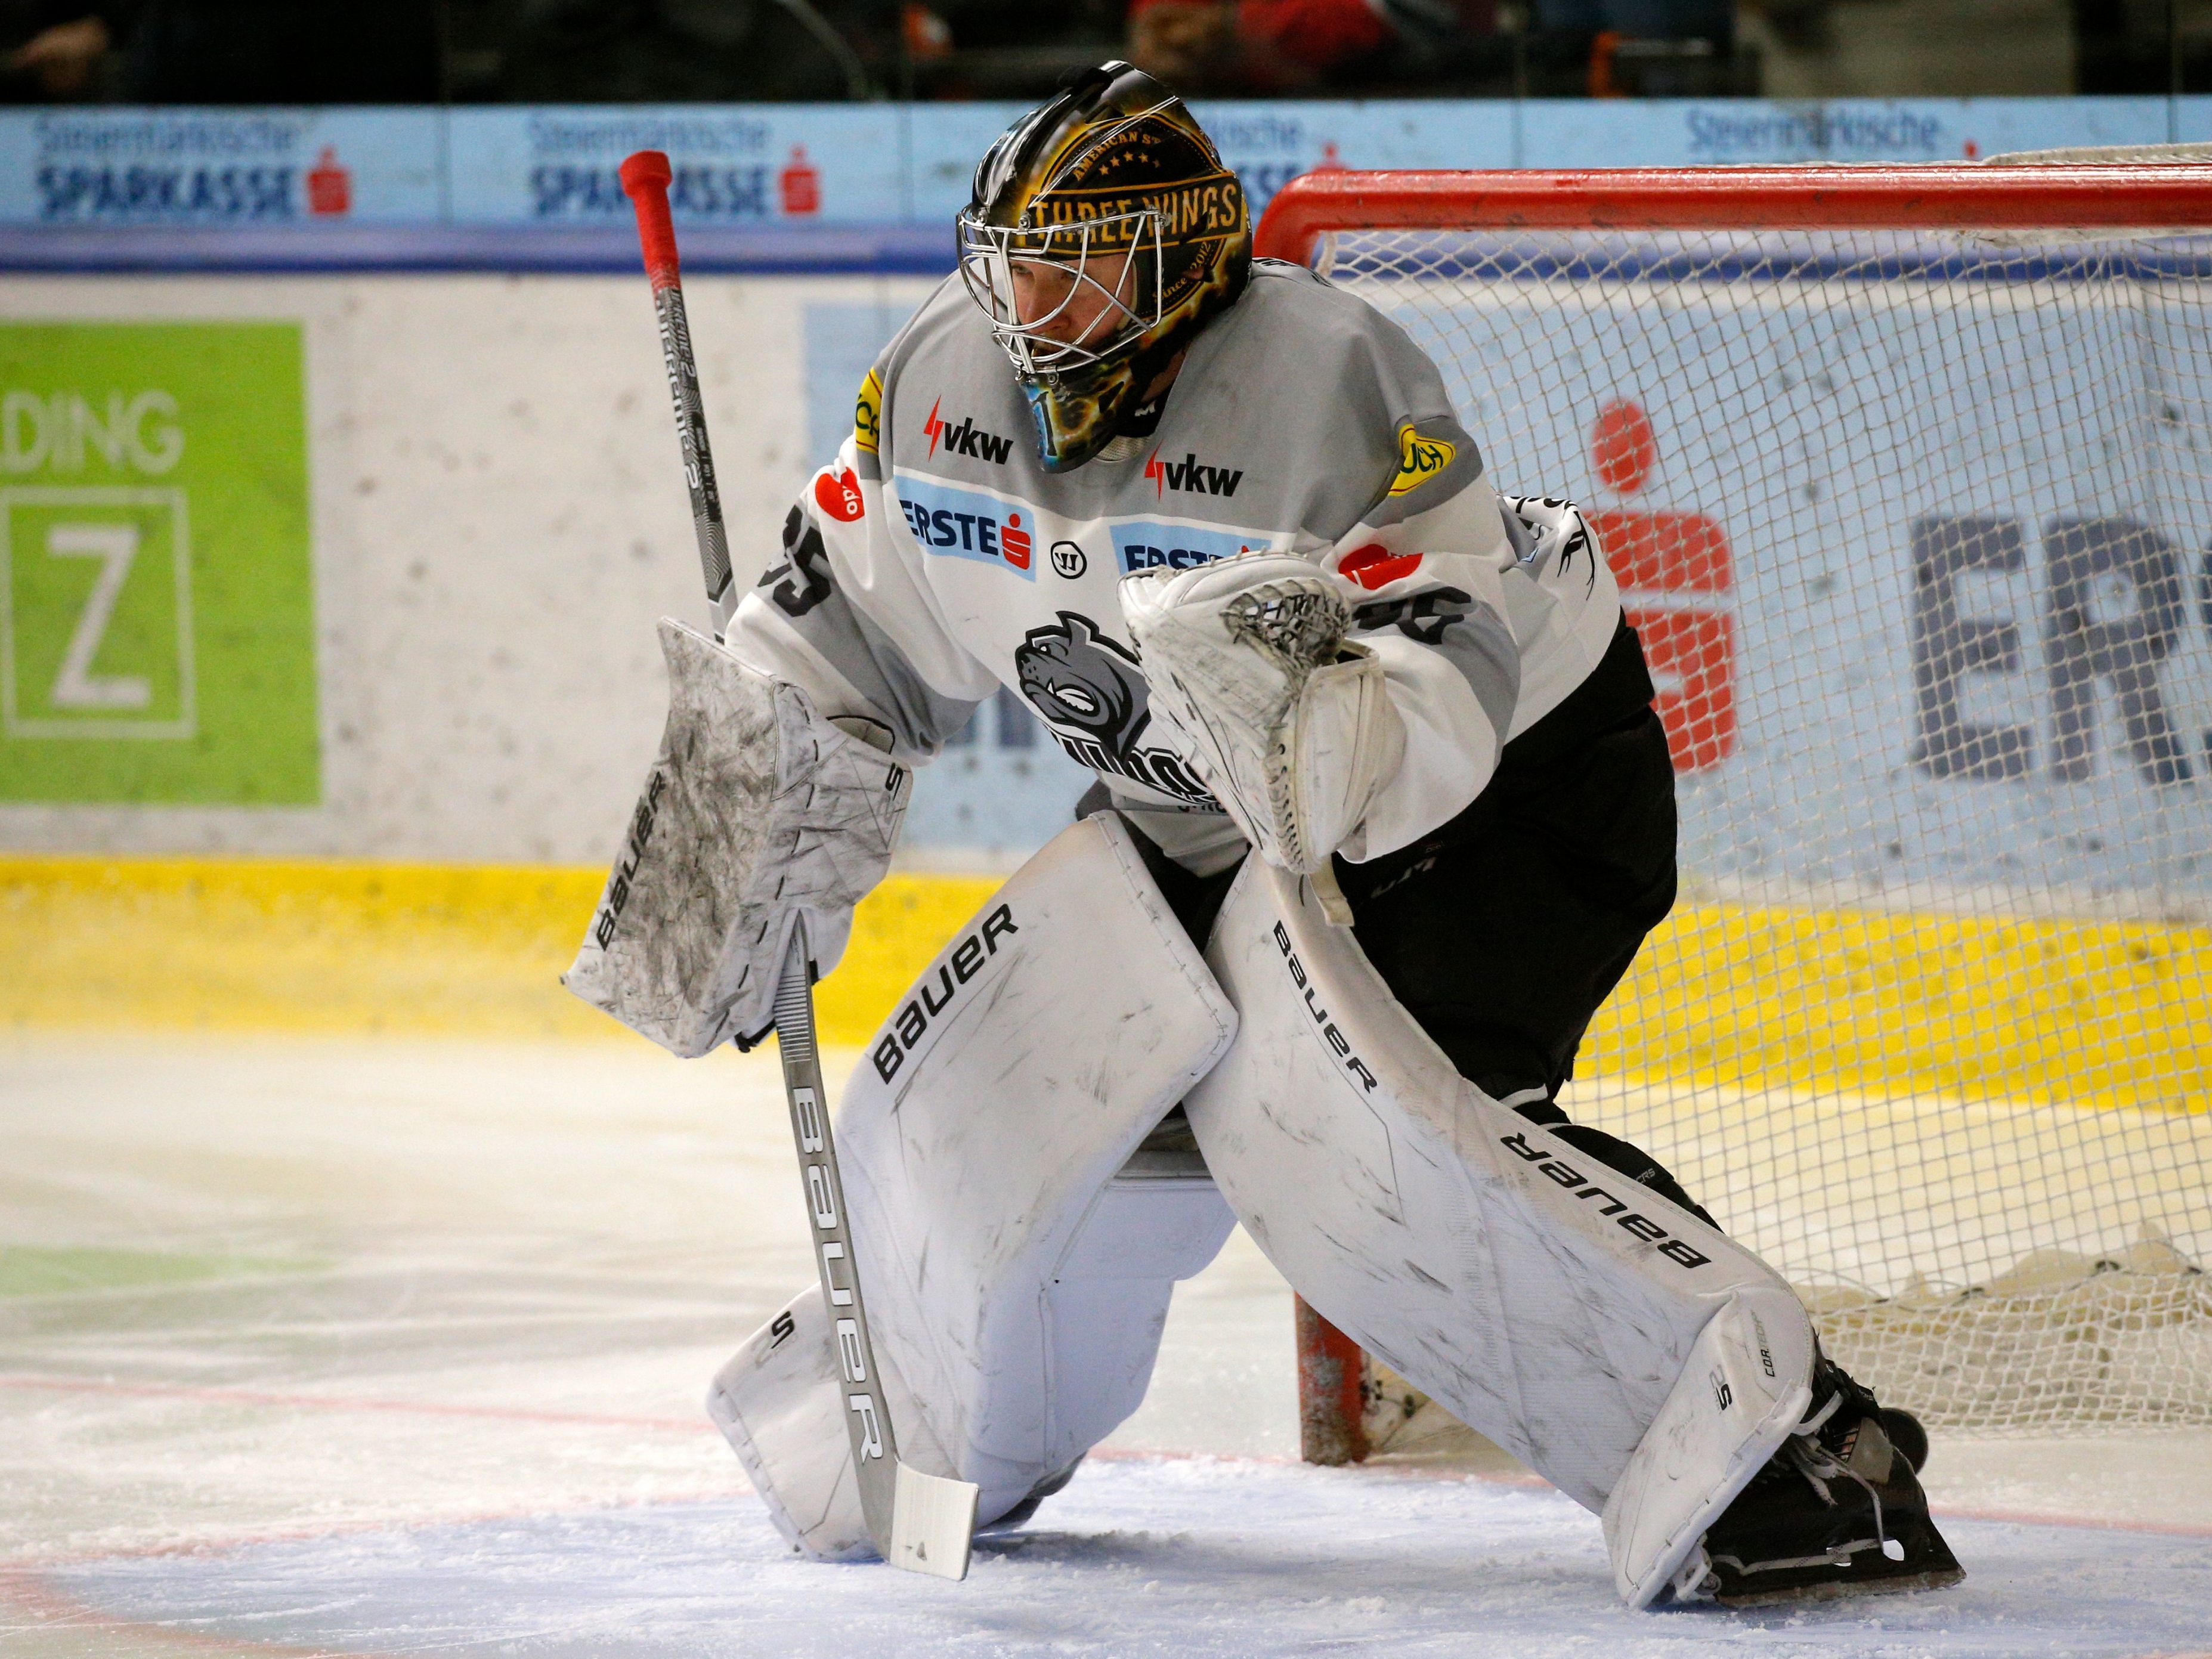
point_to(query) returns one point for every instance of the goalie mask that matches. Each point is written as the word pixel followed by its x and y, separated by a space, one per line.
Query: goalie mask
pixel 1103 234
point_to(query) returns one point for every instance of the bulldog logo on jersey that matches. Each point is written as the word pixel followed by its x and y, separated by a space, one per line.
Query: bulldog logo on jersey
pixel 1092 695
pixel 1078 678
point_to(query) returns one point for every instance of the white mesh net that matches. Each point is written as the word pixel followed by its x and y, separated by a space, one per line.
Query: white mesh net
pixel 1914 528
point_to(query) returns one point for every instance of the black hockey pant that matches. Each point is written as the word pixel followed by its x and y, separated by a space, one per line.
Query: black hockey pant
pixel 1503 931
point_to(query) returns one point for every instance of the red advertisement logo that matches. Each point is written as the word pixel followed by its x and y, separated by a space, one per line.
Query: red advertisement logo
pixel 838 493
pixel 330 186
pixel 1375 566
pixel 1674 569
pixel 800 184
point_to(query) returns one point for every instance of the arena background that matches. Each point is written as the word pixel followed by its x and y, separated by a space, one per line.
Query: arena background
pixel 358 1286
pixel 381 397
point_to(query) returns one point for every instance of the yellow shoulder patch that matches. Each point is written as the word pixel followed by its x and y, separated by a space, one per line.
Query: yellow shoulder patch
pixel 867 413
pixel 1419 459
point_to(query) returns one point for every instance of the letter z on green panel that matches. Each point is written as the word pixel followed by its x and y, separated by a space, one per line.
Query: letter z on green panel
pixel 157 631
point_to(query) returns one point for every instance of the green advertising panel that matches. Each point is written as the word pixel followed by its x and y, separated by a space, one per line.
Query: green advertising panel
pixel 157 626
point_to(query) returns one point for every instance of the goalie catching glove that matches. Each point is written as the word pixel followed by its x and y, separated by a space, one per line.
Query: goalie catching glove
pixel 1288 723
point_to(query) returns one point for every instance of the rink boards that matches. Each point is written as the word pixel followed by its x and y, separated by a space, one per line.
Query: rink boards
pixel 484 477
pixel 393 591
pixel 2036 1009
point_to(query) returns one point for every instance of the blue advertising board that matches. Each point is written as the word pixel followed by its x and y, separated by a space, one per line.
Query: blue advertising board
pixel 824 164
pixel 222 168
pixel 841 186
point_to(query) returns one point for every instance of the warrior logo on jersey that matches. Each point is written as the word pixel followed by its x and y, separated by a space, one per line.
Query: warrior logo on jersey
pixel 1092 694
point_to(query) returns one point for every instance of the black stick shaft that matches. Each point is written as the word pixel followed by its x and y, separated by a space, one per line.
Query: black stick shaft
pixel 691 437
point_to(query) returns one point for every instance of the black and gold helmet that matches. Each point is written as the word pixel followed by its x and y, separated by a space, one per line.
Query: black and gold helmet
pixel 1103 234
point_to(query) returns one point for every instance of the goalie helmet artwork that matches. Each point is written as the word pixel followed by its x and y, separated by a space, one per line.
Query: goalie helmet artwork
pixel 1104 234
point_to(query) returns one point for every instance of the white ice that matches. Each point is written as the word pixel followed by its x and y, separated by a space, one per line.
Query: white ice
pixel 397 1347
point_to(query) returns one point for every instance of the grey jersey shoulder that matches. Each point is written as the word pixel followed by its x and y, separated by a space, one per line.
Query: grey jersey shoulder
pixel 1358 340
pixel 945 353
pixel 947 316
pixel 1340 386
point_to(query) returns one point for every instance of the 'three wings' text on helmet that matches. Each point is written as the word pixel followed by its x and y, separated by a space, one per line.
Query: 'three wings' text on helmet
pixel 1103 234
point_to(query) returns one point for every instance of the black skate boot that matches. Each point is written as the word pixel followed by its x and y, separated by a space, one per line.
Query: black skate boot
pixel 1838 1512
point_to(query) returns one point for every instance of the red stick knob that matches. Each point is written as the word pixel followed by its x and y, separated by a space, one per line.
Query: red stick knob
pixel 645 179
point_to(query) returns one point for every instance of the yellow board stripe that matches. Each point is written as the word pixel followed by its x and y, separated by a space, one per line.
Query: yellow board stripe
pixel 1757 997
pixel 1742 997
pixel 300 945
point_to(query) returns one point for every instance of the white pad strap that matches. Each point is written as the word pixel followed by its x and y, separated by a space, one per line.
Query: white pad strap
pixel 1290 727
pixel 1573 1315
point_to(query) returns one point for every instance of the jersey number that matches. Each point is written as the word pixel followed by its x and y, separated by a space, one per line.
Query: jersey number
pixel 795 594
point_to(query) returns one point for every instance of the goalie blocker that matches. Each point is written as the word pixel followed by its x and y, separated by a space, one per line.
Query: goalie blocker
pixel 758 817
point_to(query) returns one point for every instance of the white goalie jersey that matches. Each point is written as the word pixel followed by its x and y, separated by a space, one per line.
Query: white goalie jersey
pixel 936 560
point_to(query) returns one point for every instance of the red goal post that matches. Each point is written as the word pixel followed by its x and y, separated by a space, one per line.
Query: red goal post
pixel 1971 1319
pixel 1978 196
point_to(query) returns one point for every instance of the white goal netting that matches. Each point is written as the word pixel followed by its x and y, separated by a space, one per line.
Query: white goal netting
pixel 1915 528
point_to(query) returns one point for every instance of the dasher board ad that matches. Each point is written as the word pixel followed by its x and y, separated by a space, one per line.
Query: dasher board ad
pixel 244 169
pixel 791 166
pixel 1915 537
pixel 156 599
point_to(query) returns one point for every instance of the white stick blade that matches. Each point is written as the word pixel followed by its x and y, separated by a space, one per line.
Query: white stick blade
pixel 932 1523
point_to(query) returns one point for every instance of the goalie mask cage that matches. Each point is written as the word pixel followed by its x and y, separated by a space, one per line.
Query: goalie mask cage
pixel 1905 475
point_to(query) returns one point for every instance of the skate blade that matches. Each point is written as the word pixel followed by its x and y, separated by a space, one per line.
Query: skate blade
pixel 1836 1589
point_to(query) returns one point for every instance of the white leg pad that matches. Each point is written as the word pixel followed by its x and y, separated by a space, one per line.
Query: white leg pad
pixel 779 1405
pixel 1018 1266
pixel 1727 1413
pixel 1547 1301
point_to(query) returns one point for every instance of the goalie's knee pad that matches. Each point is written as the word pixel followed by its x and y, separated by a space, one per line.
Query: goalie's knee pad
pixel 1628 1351
pixel 1017 1253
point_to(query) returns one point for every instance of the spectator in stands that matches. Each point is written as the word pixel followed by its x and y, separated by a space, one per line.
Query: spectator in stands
pixel 237 51
pixel 1263 47
pixel 1007 48
pixel 735 51
pixel 1639 48
pixel 53 51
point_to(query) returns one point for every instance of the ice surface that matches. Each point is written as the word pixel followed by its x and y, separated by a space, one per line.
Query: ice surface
pixel 386 1347
pixel 1143 1555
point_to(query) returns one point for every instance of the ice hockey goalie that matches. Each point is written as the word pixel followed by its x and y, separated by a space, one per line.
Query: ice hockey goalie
pixel 1382 813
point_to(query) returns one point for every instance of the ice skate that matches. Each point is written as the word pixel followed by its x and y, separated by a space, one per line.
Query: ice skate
pixel 1838 1512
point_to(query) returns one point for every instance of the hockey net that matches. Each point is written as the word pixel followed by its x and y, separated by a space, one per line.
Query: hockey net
pixel 1906 478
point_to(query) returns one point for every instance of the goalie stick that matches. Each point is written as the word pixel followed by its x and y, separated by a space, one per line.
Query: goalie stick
pixel 923 1523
